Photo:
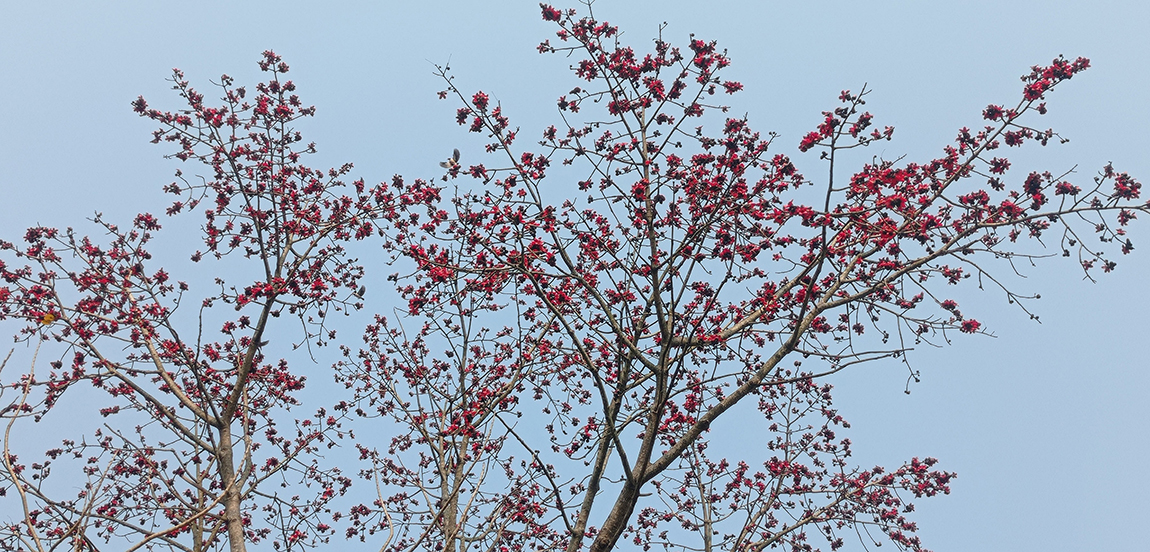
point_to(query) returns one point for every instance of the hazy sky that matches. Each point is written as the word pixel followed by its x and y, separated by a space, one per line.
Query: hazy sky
pixel 1046 424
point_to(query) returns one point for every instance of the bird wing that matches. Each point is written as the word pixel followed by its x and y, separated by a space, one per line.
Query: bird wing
pixel 451 161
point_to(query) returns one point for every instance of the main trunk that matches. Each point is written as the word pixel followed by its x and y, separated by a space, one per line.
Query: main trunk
pixel 233 518
pixel 616 522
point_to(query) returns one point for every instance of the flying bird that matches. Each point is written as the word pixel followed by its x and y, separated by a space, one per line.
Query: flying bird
pixel 452 161
pixel 359 292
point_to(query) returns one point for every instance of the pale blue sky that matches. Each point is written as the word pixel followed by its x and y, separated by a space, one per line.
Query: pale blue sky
pixel 1047 425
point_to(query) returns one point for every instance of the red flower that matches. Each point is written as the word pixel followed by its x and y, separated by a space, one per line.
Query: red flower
pixel 550 13
pixel 479 100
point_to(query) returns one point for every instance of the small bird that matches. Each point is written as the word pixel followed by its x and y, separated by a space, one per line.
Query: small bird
pixel 452 161
pixel 359 292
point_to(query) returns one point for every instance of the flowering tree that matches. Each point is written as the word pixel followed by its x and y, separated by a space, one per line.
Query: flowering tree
pixel 193 437
pixel 565 355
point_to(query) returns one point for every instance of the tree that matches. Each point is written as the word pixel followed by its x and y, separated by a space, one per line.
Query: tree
pixel 196 436
pixel 565 355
